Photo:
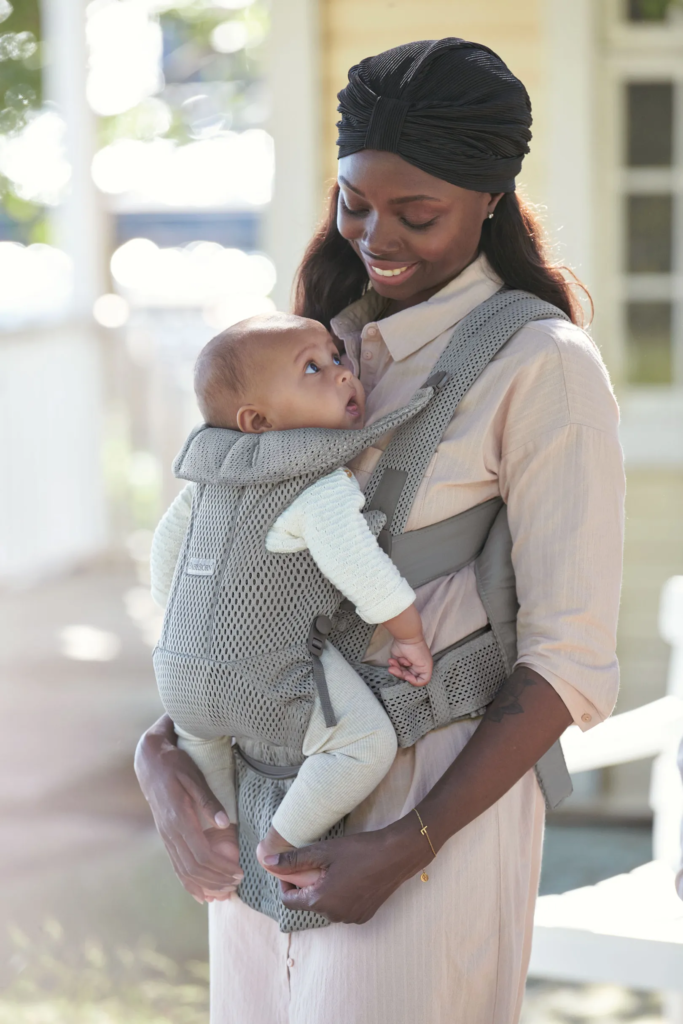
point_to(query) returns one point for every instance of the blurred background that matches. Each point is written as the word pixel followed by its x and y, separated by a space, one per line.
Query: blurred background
pixel 162 166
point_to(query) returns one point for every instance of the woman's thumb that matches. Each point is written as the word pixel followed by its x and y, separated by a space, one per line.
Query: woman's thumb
pixel 295 860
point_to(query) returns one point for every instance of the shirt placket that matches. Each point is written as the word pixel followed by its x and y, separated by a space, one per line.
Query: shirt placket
pixel 371 341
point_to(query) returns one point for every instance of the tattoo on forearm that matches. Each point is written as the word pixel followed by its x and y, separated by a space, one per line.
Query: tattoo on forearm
pixel 507 701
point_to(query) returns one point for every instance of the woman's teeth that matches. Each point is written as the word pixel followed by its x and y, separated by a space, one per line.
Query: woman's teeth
pixel 389 273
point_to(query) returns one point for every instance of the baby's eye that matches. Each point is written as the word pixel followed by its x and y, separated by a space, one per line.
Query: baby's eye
pixel 336 360
pixel 312 367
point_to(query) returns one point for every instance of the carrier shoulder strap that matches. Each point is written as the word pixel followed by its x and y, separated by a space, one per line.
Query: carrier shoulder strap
pixel 476 340
pixel 423 555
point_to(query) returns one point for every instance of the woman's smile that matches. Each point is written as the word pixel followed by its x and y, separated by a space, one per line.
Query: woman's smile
pixel 388 271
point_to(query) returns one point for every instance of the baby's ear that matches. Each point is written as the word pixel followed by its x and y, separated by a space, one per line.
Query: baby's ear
pixel 251 421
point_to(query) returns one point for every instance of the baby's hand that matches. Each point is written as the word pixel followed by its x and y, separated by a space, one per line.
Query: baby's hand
pixel 411 660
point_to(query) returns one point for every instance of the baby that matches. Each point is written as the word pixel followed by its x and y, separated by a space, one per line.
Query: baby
pixel 281 372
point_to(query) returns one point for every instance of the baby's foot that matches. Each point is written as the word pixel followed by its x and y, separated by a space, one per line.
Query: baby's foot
pixel 273 844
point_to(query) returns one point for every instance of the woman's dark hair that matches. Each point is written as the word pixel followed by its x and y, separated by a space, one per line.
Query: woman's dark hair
pixel 331 275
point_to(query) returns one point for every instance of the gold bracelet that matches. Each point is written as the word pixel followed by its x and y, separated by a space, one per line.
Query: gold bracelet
pixel 424 877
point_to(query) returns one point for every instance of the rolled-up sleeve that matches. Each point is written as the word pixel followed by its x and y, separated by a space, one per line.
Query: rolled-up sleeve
pixel 564 489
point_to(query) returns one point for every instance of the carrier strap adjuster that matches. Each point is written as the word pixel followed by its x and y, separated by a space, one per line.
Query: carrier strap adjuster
pixel 320 629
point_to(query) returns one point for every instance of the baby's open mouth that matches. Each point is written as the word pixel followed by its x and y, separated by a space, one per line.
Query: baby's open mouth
pixel 352 406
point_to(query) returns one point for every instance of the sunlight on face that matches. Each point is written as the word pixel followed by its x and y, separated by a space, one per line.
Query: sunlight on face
pixel 300 381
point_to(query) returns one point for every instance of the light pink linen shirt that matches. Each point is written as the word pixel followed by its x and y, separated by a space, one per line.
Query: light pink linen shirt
pixel 539 428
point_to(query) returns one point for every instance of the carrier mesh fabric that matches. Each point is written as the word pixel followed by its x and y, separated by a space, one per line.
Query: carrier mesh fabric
pixel 232 659
pixel 467 678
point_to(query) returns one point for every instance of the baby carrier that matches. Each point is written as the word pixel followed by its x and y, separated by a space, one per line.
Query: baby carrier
pixel 244 627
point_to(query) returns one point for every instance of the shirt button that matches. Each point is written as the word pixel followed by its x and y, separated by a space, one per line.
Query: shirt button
pixel 290 962
pixel 586 717
pixel 372 330
pixel 367 356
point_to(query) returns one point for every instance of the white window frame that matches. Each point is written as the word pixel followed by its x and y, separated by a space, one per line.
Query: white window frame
pixel 652 415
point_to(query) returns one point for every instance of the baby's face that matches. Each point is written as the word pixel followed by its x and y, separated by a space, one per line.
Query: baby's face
pixel 301 383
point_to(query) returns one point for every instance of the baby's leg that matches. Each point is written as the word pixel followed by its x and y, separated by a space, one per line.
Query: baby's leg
pixel 344 763
pixel 274 843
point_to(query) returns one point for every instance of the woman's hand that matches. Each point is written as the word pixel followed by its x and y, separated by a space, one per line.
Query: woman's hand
pixel 359 872
pixel 183 806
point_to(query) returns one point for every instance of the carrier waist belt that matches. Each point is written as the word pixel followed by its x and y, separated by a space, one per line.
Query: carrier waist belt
pixel 442 548
pixel 268 771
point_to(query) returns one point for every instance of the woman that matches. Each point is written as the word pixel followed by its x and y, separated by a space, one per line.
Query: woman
pixel 432 135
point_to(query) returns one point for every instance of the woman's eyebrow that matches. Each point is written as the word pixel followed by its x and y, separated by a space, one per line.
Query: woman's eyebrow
pixel 413 199
pixel 348 184
pixel 392 202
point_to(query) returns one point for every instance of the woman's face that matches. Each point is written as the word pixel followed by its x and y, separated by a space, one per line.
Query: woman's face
pixel 413 232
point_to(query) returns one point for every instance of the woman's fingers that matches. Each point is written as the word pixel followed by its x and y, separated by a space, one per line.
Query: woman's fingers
pixel 202 797
pixel 305 859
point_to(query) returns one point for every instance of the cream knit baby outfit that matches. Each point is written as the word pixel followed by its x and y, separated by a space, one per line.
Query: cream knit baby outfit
pixel 346 762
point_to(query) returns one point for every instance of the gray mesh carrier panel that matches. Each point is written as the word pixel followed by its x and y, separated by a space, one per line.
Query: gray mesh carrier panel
pixel 232 659
pixel 467 676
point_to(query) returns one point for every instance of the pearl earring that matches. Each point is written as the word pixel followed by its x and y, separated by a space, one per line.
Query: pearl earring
pixel 490 217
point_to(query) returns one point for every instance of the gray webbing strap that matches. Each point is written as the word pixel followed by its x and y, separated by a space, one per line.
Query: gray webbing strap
pixel 396 479
pixel 476 340
pixel 320 629
pixel 442 548
pixel 553 776
pixel 268 771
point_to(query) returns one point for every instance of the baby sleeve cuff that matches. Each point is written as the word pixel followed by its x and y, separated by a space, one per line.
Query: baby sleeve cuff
pixel 390 606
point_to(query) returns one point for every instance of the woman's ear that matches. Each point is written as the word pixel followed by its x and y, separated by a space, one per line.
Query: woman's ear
pixel 494 199
pixel 251 421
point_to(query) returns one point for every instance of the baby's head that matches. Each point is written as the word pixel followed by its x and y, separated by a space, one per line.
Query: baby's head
pixel 276 372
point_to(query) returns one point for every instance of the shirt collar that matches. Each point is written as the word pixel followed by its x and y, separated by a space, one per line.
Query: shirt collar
pixel 408 331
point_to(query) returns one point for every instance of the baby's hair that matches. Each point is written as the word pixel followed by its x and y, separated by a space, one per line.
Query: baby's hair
pixel 225 366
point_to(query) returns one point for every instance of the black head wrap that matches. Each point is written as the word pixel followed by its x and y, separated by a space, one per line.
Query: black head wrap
pixel 450 107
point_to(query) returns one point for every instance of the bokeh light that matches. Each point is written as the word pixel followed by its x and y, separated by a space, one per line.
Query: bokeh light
pixel 235 169
pixel 201 275
pixel 37 283
pixel 111 310
pixel 125 46
pixel 34 159
pixel 229 36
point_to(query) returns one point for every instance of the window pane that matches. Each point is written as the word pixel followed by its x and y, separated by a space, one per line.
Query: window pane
pixel 648 343
pixel 648 10
pixel 649 124
pixel 649 234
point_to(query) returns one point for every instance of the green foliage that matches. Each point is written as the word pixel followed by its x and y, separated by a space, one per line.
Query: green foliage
pixel 651 10
pixel 20 93
pixel 206 90
pixel 20 62
pixel 56 983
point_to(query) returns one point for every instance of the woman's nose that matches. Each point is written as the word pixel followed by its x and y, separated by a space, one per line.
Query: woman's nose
pixel 379 238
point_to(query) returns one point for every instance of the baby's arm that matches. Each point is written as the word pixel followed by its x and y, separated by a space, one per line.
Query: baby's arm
pixel 343 764
pixel 327 519
pixel 167 544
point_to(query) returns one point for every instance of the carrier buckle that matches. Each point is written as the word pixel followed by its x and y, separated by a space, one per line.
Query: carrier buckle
pixel 437 380
pixel 321 627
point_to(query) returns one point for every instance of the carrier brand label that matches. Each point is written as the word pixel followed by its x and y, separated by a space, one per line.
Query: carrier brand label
pixel 201 566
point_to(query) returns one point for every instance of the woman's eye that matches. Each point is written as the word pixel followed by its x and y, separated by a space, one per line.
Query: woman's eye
pixel 312 367
pixel 347 209
pixel 419 227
